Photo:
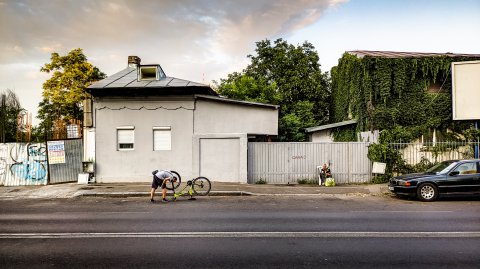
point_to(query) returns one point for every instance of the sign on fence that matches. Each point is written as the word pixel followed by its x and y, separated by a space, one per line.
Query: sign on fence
pixel 56 152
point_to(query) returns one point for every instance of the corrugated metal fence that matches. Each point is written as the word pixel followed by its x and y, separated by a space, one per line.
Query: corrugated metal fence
pixel 69 170
pixel 23 164
pixel 289 162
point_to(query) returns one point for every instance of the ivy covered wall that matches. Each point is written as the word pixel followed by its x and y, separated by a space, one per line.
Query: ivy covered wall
pixel 395 94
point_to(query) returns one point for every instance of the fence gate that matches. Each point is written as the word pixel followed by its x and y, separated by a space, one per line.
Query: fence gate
pixel 65 169
pixel 289 162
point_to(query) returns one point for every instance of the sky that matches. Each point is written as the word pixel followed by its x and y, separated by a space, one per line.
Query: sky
pixel 205 40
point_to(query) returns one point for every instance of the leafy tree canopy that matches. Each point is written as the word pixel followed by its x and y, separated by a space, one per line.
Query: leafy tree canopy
pixel 411 96
pixel 285 75
pixel 9 110
pixel 65 90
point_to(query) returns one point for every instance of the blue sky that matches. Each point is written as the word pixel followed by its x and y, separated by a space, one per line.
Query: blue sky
pixel 420 26
pixel 204 40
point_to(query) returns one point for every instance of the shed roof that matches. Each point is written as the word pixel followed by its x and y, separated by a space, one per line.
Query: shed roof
pixel 126 83
pixel 399 54
pixel 330 126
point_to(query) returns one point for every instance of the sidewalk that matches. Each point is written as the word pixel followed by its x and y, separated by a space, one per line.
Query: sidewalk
pixel 71 190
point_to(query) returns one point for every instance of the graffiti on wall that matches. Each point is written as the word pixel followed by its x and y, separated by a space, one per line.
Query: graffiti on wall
pixel 3 162
pixel 23 164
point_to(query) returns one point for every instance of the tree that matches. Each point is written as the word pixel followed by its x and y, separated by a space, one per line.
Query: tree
pixel 9 110
pixel 243 87
pixel 286 75
pixel 64 92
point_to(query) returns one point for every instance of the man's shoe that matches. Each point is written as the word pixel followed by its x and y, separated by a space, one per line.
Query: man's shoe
pixel 164 200
pixel 151 200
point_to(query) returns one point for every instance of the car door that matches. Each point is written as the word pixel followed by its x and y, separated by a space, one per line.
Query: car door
pixel 463 178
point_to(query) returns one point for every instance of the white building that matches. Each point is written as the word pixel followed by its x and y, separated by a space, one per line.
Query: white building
pixel 142 120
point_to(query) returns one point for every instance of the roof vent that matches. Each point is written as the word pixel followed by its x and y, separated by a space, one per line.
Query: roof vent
pixel 133 61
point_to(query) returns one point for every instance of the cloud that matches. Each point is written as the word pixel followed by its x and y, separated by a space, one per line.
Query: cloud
pixel 198 28
pixel 193 39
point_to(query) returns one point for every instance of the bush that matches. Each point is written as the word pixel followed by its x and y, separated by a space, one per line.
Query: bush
pixel 261 181
pixel 305 181
pixel 379 179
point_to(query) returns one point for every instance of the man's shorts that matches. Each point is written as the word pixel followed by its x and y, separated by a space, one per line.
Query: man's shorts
pixel 157 182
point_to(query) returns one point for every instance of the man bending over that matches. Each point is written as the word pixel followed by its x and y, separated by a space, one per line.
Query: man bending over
pixel 160 178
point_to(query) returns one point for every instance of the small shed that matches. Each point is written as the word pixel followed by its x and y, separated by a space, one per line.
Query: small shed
pixel 324 133
pixel 142 120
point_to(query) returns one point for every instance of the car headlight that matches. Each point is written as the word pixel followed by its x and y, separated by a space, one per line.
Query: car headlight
pixel 404 183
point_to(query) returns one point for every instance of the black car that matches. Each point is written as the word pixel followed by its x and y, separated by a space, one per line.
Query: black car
pixel 455 176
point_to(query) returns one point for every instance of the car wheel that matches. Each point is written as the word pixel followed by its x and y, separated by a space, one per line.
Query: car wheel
pixel 427 192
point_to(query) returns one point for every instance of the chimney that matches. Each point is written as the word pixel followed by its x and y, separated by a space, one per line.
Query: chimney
pixel 133 61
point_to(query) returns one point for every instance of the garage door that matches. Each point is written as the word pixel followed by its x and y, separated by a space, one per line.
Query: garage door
pixel 220 159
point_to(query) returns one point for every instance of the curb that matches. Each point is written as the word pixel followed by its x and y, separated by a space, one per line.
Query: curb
pixel 144 194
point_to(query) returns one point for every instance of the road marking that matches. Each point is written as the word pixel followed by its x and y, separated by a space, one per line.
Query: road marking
pixel 244 235
pixel 402 211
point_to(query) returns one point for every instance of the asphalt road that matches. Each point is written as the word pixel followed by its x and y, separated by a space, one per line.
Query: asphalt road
pixel 240 232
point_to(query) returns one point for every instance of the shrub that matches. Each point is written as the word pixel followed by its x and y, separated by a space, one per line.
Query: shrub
pixel 305 181
pixel 261 181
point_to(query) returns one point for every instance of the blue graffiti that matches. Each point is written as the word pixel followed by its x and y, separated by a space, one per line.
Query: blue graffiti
pixel 33 167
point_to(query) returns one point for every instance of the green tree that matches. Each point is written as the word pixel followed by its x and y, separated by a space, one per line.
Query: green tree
pixel 243 87
pixel 64 91
pixel 285 75
pixel 9 110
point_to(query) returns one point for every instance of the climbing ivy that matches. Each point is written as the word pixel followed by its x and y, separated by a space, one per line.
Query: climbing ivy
pixel 392 93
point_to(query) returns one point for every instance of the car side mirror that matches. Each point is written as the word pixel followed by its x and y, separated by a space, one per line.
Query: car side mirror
pixel 454 173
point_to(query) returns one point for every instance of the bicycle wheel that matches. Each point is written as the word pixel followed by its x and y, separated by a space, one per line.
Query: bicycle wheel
pixel 201 186
pixel 176 183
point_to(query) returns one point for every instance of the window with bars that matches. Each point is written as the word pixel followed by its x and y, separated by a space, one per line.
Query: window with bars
pixel 125 138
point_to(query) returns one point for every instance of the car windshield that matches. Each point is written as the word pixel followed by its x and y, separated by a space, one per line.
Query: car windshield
pixel 442 168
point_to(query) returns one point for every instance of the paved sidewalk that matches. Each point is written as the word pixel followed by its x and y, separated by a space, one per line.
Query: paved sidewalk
pixel 71 190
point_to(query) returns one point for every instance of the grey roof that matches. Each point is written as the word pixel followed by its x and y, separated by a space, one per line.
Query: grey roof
pixel 398 54
pixel 330 126
pixel 125 82
pixel 224 99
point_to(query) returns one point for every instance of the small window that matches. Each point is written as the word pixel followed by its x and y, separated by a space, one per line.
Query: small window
pixel 148 73
pixel 125 138
pixel 162 138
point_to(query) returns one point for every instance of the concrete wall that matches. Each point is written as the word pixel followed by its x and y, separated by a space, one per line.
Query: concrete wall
pixel 209 138
pixel 136 165
pixel 219 117
pixel 321 136
pixel 221 157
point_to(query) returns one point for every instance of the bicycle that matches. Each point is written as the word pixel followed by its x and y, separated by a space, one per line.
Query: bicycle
pixel 200 186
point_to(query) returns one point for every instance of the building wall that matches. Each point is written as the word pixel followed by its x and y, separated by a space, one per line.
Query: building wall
pixel 221 157
pixel 321 136
pixel 136 165
pixel 208 138
pixel 219 117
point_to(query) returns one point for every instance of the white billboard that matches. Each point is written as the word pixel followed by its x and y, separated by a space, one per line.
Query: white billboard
pixel 466 90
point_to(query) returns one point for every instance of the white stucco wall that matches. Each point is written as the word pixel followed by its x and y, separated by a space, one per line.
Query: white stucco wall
pixel 208 137
pixel 136 165
pixel 322 136
pixel 222 117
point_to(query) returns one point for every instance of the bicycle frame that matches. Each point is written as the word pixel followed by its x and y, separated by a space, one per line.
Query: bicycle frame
pixel 183 192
